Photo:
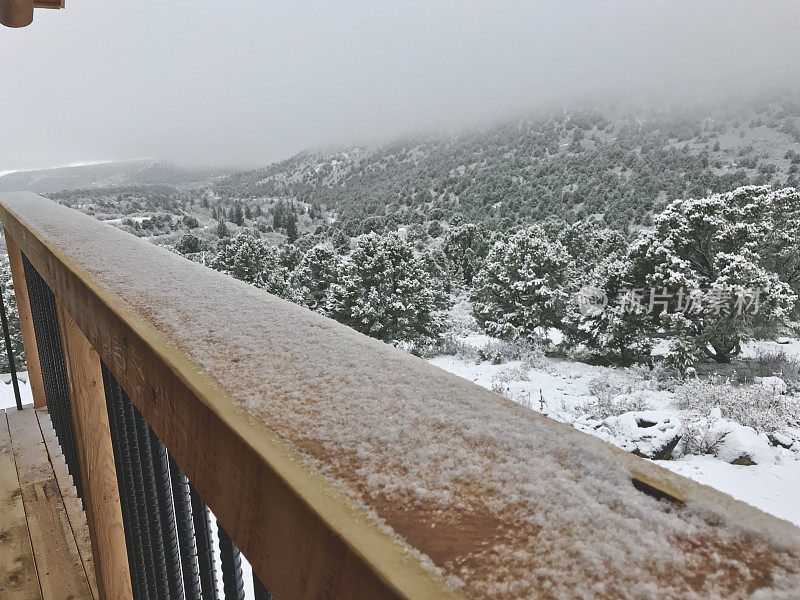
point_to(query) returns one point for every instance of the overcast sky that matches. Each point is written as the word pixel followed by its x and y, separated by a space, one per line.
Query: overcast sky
pixel 246 82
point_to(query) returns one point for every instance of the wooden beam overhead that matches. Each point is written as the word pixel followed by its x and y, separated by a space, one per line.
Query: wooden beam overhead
pixel 19 13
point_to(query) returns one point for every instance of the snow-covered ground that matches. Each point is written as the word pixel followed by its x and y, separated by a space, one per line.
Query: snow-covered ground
pixel 7 398
pixel 577 393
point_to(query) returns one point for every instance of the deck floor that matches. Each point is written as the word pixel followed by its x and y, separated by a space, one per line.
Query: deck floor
pixel 45 550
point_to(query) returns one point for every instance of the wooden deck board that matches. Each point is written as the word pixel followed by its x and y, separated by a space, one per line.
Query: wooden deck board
pixel 69 494
pixel 18 580
pixel 60 569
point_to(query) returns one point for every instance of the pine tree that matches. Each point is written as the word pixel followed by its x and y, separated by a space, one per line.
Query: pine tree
pixel 317 272
pixel 222 230
pixel 237 215
pixel 385 292
pixel 609 329
pixel 7 288
pixel 291 226
pixel 715 258
pixel 189 244
pixel 279 216
pixel 253 260
pixel 465 247
pixel 522 289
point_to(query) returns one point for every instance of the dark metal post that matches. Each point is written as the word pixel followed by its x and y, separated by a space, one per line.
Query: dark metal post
pixel 205 549
pixel 125 481
pixel 231 559
pixel 186 539
pixel 166 510
pixel 261 592
pixel 9 351
pixel 51 359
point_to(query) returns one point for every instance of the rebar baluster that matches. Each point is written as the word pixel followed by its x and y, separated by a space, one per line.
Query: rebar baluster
pixel 205 549
pixel 153 514
pixel 51 360
pixel 231 559
pixel 186 537
pixel 166 511
pixel 121 484
pixel 141 497
pixel 127 493
pixel 261 592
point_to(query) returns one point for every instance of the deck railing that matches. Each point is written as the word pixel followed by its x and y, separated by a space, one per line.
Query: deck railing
pixel 154 435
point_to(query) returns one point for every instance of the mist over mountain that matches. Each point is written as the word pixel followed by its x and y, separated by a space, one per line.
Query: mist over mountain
pixel 103 175
pixel 612 163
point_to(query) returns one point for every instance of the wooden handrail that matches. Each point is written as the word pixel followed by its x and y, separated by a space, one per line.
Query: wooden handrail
pixel 272 490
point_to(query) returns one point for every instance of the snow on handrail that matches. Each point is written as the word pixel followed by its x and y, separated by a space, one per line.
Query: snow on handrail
pixel 337 462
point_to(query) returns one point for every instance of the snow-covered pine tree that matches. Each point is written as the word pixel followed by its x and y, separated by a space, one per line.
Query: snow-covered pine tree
pixel 385 292
pixel 589 243
pixel 317 272
pixel 609 329
pixel 465 247
pixel 13 320
pixel 523 287
pixel 253 260
pixel 719 249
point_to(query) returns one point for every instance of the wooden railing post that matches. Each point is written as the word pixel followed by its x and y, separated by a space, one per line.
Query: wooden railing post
pixel 26 322
pixel 96 454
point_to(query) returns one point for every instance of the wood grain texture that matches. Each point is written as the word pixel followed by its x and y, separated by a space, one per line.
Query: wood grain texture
pixel 58 563
pixel 98 471
pixel 26 322
pixel 73 505
pixel 18 580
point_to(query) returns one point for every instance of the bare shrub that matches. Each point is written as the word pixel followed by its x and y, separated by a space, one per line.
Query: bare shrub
pixel 499 352
pixel 515 373
pixel 612 399
pixel 450 345
pixel 752 406
pixel 613 406
pixel 769 363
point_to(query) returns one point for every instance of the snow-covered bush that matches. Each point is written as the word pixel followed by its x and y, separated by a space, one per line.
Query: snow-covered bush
pixel 515 373
pixel 606 404
pixel 749 405
pixel 522 288
pixel 660 376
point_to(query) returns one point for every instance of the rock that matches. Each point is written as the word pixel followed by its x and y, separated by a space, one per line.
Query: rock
pixel 776 438
pixel 775 385
pixel 737 444
pixel 783 340
pixel 647 433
